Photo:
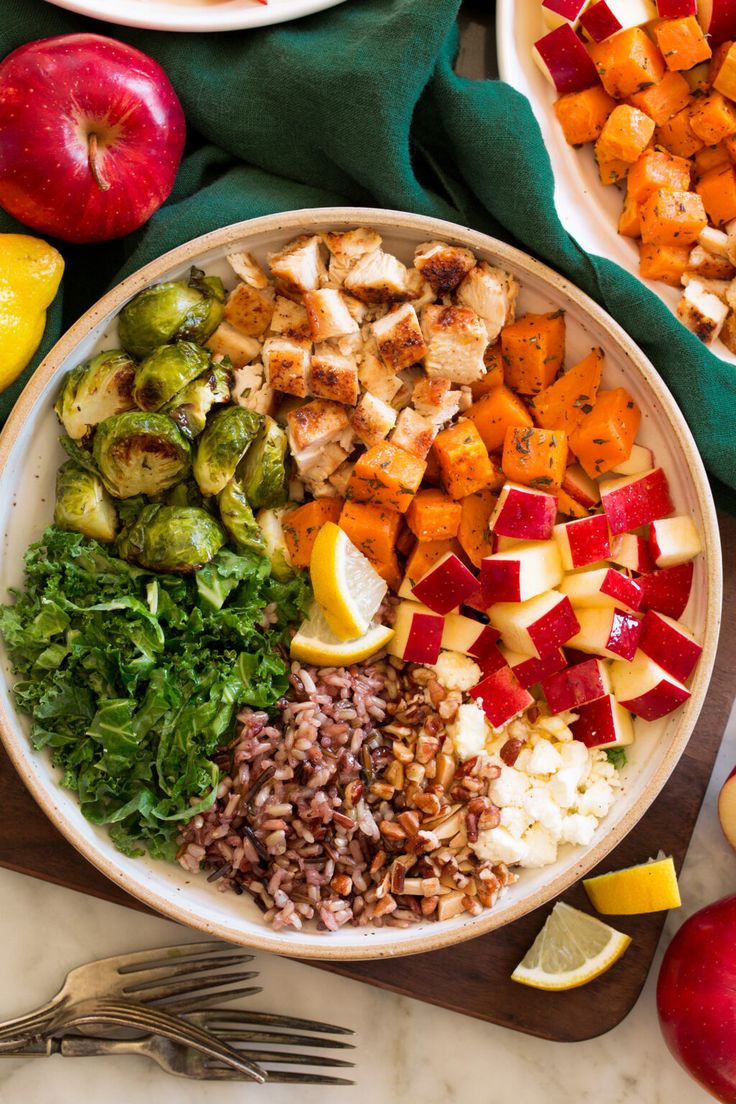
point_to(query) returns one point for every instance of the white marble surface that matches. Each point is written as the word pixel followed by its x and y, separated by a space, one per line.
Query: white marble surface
pixel 405 1049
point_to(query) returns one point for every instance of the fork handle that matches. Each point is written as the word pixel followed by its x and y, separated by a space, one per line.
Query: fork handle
pixel 80 1046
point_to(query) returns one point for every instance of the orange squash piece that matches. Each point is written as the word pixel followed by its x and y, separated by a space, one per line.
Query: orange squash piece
pixel 605 436
pixel 302 525
pixel 533 351
pixel 625 136
pixel 627 63
pixel 725 79
pixel 717 189
pixel 657 169
pixel 582 115
pixel 386 475
pixel 661 101
pixel 493 360
pixel 677 136
pixel 464 461
pixel 611 172
pixel 567 505
pixel 433 515
pixel 494 412
pixel 664 262
pixel 682 42
pixel 535 457
pixel 709 156
pixel 564 404
pixel 672 217
pixel 713 118
pixel 629 223
pixel 473 534
pixel 372 529
pixel 426 554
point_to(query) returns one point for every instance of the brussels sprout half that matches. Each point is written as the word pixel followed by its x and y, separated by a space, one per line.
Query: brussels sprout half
pixel 177 539
pixel 269 522
pixel 83 504
pixel 222 446
pixel 189 409
pixel 263 471
pixel 94 391
pixel 162 313
pixel 140 453
pixel 237 517
pixel 165 371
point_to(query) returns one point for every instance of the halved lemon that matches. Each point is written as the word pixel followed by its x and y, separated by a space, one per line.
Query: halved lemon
pixel 648 887
pixel 571 949
pixel 316 643
pixel 345 583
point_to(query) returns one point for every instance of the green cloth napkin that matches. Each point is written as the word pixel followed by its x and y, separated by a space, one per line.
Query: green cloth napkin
pixel 360 105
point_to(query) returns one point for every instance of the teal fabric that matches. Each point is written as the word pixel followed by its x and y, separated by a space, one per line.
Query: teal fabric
pixel 360 105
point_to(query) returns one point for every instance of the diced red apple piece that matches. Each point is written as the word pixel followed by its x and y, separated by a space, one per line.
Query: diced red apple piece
pixel 603 723
pixel 599 22
pixel 640 459
pixel 646 689
pixel 446 585
pixel 503 544
pixel 635 500
pixel 583 541
pixel 676 9
pixel 529 670
pixel 557 12
pixel 519 574
pixel 417 634
pixel 501 696
pixel 669 644
pixel 604 587
pixel 524 513
pixel 608 17
pixel 613 633
pixel 578 484
pixel 463 634
pixel 727 808
pixel 718 20
pixel 536 627
pixel 564 61
pixel 578 685
pixel 667 591
pixel 673 541
pixel 629 550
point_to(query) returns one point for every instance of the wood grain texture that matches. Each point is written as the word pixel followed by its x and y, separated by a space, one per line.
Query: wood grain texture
pixel 474 977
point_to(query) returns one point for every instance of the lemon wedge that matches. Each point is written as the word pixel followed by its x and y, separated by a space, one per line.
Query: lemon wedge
pixel 648 887
pixel 571 949
pixel 345 583
pixel 316 643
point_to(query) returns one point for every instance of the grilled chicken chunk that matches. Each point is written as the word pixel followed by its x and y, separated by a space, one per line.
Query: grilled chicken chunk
pixel 372 419
pixel 299 266
pixel 374 377
pixel 702 312
pixel 249 310
pixel 435 400
pixel 247 268
pixel 328 314
pixel 378 277
pixel 399 338
pixel 491 293
pixel 227 341
pixel 334 376
pixel 287 365
pixel 456 340
pixel 443 266
pixel 249 389
pixel 314 425
pixel 414 433
pixel 290 319
pixel 346 249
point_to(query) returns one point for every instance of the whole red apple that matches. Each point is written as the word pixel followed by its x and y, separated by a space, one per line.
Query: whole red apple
pixel 696 998
pixel 91 136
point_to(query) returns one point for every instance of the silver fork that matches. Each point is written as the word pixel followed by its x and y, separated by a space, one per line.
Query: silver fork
pixel 184 1062
pixel 164 975
pixel 150 1022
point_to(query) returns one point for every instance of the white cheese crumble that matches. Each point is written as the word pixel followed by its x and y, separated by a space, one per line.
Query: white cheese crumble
pixel 468 731
pixel 457 671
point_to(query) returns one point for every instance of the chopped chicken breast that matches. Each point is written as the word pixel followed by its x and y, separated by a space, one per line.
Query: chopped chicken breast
pixel 299 265
pixel 702 312
pixel 492 294
pixel 414 433
pixel 420 291
pixel 399 338
pixel 372 419
pixel 287 365
pixel 318 464
pixel 291 320
pixel 334 376
pixel 456 340
pixel 328 314
pixel 435 400
pixel 248 269
pixel 315 424
pixel 250 390
pixel 249 310
pixel 339 479
pixel 346 249
pixel 229 342
pixel 378 277
pixel 710 266
pixel 719 288
pixel 374 377
pixel 443 266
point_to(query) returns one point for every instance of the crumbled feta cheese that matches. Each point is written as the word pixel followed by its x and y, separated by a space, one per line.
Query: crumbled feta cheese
pixel 468 730
pixel 596 800
pixel 558 726
pixel 576 756
pixel 515 820
pixel 545 759
pixel 498 845
pixel 563 787
pixel 509 788
pixel 541 807
pixel 579 829
pixel 541 847
pixel 457 672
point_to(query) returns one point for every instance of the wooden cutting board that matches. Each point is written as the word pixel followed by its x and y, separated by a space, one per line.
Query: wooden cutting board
pixel 473 978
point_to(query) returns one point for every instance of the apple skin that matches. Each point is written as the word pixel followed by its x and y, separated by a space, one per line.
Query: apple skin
pixel 58 97
pixel 600 22
pixel 696 998
pixel 727 808
pixel 446 585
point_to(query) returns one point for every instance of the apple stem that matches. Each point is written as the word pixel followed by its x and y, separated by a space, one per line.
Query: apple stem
pixel 92 148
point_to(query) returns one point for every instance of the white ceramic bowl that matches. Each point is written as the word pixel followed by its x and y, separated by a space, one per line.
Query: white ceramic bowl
pixel 195 15
pixel 588 210
pixel 30 455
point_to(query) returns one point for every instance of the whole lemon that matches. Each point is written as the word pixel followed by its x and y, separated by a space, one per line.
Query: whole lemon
pixel 30 274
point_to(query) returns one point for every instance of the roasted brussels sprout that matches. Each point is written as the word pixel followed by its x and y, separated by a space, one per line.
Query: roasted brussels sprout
pixel 189 409
pixel 83 504
pixel 237 517
pixel 96 390
pixel 185 494
pixel 222 446
pixel 171 538
pixel 269 522
pixel 165 371
pixel 171 311
pixel 139 453
pixel 263 470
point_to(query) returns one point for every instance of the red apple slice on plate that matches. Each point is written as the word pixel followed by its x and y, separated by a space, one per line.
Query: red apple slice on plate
pixel 603 587
pixel 669 644
pixel 599 22
pixel 667 591
pixel 417 634
pixel 578 484
pixel 578 685
pixel 583 541
pixel 673 541
pixel 612 633
pixel 632 551
pixel 519 574
pixel 501 696
pixel 446 585
pixel 718 20
pixel 640 459
pixel 636 500
pixel 557 12
pixel 537 627
pixel 473 638
pixel 524 513
pixel 529 670
pixel 676 9
pixel 603 723
pixel 646 689
pixel 564 61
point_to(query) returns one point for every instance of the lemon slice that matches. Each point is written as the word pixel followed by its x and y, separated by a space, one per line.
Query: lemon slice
pixel 316 643
pixel 648 887
pixel 345 583
pixel 571 949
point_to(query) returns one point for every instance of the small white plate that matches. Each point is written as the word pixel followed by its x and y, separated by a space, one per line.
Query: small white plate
pixel 195 15
pixel 588 210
